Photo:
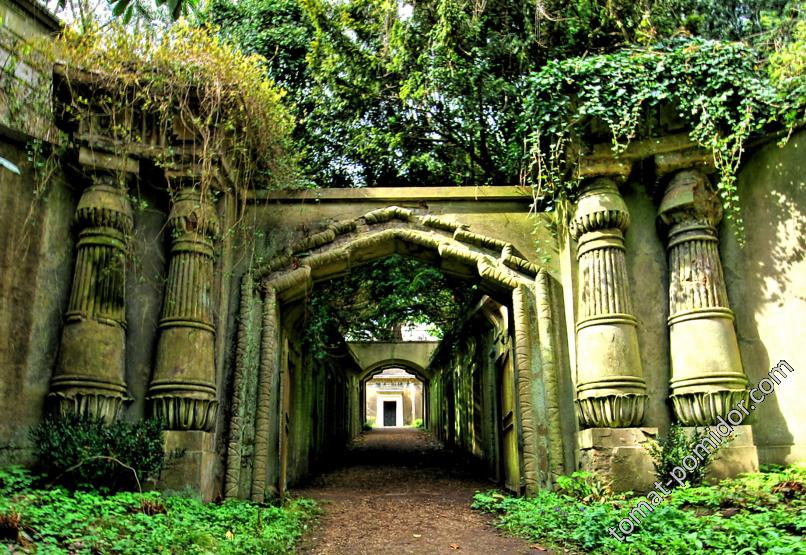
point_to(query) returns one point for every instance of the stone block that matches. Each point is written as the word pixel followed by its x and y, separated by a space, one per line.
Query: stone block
pixel 195 469
pixel 618 456
pixel 735 457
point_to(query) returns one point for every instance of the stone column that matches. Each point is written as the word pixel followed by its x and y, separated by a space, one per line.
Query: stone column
pixel 611 392
pixel 183 388
pixel 707 376
pixel 89 377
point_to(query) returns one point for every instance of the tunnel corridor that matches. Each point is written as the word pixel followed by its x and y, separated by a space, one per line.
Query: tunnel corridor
pixel 468 399
pixel 298 391
pixel 398 490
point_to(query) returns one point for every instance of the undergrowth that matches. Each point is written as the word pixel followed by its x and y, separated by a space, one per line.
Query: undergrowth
pixel 756 513
pixel 57 521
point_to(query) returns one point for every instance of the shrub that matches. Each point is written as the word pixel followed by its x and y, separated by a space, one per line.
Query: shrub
pixel 755 513
pixel 418 423
pixel 84 452
pixel 584 486
pixel 670 451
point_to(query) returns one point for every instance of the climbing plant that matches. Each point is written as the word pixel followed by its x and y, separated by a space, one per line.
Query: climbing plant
pixel 721 90
pixel 185 80
pixel 374 300
pixel 431 93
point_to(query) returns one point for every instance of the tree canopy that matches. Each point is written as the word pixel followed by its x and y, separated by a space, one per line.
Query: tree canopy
pixel 437 92
pixel 374 300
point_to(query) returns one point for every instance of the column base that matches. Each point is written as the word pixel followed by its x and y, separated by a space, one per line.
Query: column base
pixel 618 456
pixel 195 469
pixel 737 457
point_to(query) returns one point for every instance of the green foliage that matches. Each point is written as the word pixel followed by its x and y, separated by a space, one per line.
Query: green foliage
pixel 584 486
pixel 432 92
pixel 719 89
pixel 756 513
pixel 374 300
pixel 670 451
pixel 88 453
pixel 418 423
pixel 14 479
pixel 188 80
pixel 63 522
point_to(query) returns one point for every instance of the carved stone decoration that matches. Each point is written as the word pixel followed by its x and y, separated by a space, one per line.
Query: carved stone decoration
pixel 611 392
pixel 233 473
pixel 89 377
pixel 268 359
pixel 707 376
pixel 548 359
pixel 183 389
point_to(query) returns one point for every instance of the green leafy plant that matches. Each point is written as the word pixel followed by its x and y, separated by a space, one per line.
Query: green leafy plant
pixel 86 452
pixel 717 88
pixel 669 452
pixel 418 423
pixel 755 513
pixel 61 522
pixel 374 301
pixel 584 486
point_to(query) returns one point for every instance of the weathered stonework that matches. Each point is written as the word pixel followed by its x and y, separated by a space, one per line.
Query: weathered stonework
pixel 707 376
pixel 611 392
pixel 89 377
pixel 183 388
pixel 618 456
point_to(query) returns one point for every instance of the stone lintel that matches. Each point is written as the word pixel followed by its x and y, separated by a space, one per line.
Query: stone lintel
pixel 618 456
pixel 694 158
pixel 644 148
pixel 195 469
pixel 616 168
pixel 107 161
pixel 486 193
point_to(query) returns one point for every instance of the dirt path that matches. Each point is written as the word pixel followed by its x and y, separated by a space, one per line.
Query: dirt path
pixel 398 491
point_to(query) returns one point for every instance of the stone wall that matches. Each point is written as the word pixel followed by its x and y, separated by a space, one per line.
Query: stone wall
pixel 765 291
pixel 766 281
pixel 35 274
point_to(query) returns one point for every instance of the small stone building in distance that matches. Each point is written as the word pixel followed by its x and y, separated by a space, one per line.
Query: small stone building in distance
pixel 394 399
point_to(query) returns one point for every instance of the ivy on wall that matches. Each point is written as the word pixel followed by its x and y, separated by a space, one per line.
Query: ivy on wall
pixel 724 91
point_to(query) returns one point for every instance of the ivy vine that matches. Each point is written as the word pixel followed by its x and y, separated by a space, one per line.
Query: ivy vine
pixel 724 91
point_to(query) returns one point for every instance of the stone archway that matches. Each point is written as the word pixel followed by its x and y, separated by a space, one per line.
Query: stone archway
pixel 286 280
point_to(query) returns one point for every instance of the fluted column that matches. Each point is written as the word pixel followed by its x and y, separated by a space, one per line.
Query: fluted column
pixel 89 377
pixel 707 376
pixel 611 392
pixel 183 389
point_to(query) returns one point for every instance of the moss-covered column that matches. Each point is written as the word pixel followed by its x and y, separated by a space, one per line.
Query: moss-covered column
pixel 611 392
pixel 707 376
pixel 89 377
pixel 183 388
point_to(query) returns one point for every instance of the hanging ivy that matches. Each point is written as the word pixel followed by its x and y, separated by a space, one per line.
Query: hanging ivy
pixel 184 78
pixel 724 91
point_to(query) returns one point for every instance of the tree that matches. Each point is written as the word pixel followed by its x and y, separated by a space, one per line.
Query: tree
pixel 431 93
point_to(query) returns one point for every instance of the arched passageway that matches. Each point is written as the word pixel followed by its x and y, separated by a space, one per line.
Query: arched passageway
pixel 490 387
